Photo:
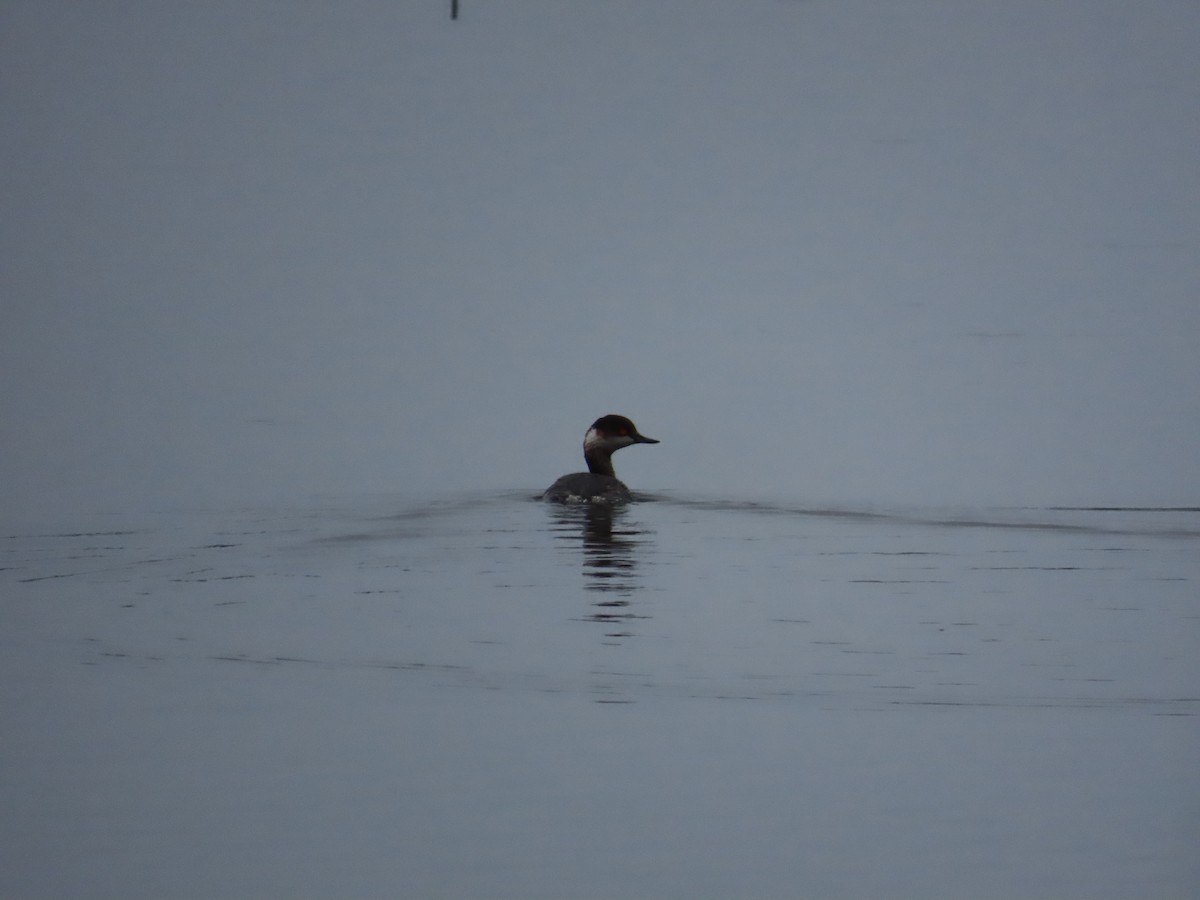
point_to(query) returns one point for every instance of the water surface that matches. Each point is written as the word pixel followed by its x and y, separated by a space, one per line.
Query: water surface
pixel 484 695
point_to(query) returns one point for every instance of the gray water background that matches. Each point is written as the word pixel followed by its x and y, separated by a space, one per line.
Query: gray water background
pixel 860 253
pixel 893 283
pixel 488 696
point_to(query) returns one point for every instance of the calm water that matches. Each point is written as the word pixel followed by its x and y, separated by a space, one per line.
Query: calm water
pixel 483 696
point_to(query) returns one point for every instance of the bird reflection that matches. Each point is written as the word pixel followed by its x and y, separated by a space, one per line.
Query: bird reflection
pixel 611 546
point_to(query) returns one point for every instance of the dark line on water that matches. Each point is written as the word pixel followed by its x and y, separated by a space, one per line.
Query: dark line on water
pixel 948 522
pixel 1158 509
pixel 75 534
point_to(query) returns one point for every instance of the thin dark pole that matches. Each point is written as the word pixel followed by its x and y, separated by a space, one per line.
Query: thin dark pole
pixel 454 9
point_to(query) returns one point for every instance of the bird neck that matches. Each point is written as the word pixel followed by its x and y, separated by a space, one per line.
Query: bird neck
pixel 599 461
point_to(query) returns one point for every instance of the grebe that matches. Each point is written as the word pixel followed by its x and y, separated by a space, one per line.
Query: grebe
pixel 599 484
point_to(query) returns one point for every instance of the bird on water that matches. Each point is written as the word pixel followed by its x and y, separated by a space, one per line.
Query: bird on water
pixel 599 484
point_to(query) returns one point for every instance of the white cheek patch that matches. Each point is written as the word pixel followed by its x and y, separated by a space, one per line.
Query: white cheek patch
pixel 595 438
